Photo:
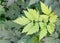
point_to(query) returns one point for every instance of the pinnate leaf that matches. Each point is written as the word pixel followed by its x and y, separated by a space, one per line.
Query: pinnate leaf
pixel 33 29
pixel 45 9
pixel 53 18
pixel 43 31
pixel 22 20
pixel 34 14
pixel 27 27
pixel 51 28
pixel 28 15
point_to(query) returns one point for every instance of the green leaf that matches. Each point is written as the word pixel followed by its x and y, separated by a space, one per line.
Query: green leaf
pixel 13 12
pixel 45 9
pixel 51 28
pixel 11 24
pixel 43 31
pixel 58 26
pixel 33 29
pixel 22 41
pixel 4 41
pixel 27 27
pixel 2 11
pixel 51 40
pixel 10 2
pixel 48 2
pixel 22 20
pixel 35 40
pixel 55 35
pixel 0 2
pixel 33 2
pixel 2 25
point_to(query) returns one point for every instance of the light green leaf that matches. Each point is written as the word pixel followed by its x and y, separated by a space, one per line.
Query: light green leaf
pixel 28 15
pixel 22 20
pixel 27 27
pixel 42 25
pixel 33 29
pixel 45 9
pixel 43 31
pixel 43 18
pixel 51 28
pixel 53 18
pixel 34 14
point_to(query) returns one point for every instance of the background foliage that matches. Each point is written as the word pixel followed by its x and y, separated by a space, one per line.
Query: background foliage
pixel 10 10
